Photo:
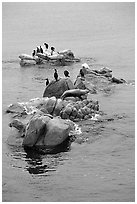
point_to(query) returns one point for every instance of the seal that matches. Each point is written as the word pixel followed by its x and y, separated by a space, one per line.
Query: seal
pixel 74 93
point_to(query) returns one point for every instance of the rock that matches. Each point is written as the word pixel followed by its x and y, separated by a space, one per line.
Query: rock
pixel 105 70
pixel 77 106
pixel 27 62
pixel 79 83
pixel 82 83
pixel 64 115
pixel 57 88
pixel 74 112
pixel 19 125
pixel 43 131
pixel 84 111
pixel 66 112
pixel 86 117
pixel 50 105
pixel 35 128
pixel 117 81
pixel 80 114
pixel 16 108
pixel 68 109
pixel 55 107
pixel 57 132
pixel 85 101
pixel 59 106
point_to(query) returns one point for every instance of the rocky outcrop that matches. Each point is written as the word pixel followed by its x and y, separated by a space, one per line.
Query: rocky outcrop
pixel 57 88
pixel 82 83
pixel 104 73
pixel 44 131
pixel 47 122
pixel 95 81
pixel 66 109
pixel 61 58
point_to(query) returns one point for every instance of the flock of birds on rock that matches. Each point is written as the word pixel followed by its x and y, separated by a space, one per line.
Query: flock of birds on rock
pixel 66 74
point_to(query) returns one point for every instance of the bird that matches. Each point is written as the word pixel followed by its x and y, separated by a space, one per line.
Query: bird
pixel 46 45
pixel 47 81
pixel 66 73
pixel 41 50
pixel 52 50
pixel 33 53
pixel 38 50
pixel 81 73
pixel 56 75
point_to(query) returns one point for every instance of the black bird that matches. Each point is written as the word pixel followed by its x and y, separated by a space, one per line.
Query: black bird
pixel 38 50
pixel 47 81
pixel 81 73
pixel 46 45
pixel 66 73
pixel 41 50
pixel 33 53
pixel 52 50
pixel 56 75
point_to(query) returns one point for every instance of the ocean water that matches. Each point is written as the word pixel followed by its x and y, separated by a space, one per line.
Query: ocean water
pixel 100 163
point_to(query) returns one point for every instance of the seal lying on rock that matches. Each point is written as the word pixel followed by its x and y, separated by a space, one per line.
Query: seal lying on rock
pixel 74 93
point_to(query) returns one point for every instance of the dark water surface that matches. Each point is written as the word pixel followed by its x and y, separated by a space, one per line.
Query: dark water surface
pixel 100 164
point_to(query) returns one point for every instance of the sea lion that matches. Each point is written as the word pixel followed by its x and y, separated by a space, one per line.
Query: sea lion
pixel 75 93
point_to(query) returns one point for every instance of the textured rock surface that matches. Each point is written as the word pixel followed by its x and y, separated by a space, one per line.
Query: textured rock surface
pixel 57 88
pixel 44 131
pixel 66 109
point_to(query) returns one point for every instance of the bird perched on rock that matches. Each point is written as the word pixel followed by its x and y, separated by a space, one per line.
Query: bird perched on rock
pixel 47 81
pixel 41 50
pixel 81 73
pixel 66 73
pixel 52 50
pixel 33 53
pixel 46 46
pixel 56 75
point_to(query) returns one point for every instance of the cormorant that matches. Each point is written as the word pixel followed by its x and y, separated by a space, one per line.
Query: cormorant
pixel 52 50
pixel 38 50
pixel 41 50
pixel 47 81
pixel 33 53
pixel 66 73
pixel 56 75
pixel 46 45
pixel 81 73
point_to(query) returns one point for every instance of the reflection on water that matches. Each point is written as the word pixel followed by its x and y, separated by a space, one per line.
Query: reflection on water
pixel 38 161
pixel 34 163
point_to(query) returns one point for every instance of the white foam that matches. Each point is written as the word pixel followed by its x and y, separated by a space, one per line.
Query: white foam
pixel 76 131
pixel 95 117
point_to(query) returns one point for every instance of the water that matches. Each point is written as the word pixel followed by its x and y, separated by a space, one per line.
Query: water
pixel 100 163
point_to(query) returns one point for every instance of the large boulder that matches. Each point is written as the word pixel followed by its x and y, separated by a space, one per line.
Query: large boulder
pixel 57 88
pixel 57 131
pixel 44 131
